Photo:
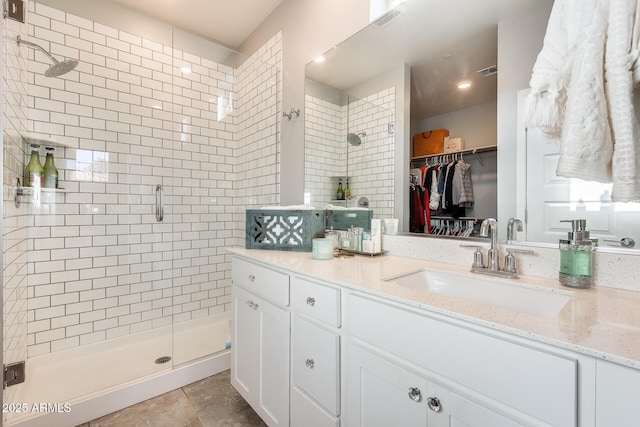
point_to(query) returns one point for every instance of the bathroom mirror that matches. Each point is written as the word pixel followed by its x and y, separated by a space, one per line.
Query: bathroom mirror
pixel 410 57
pixel 434 35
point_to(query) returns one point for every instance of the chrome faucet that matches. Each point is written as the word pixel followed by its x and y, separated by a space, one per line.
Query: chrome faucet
pixel 510 232
pixel 488 228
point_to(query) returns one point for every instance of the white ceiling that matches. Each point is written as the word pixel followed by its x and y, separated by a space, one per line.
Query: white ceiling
pixel 226 22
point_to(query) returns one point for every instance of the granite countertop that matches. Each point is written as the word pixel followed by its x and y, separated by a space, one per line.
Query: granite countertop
pixel 600 322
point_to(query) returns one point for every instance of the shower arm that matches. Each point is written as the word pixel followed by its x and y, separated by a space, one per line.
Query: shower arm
pixel 40 48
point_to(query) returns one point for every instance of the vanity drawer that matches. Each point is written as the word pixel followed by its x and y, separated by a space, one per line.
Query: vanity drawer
pixel 535 382
pixel 271 284
pixel 305 412
pixel 316 300
pixel 315 363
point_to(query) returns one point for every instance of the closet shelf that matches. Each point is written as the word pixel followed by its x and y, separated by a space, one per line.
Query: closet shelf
pixel 476 150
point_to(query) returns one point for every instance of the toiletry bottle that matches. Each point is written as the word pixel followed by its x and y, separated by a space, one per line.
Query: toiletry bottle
pixel 34 172
pixel 340 192
pixel 50 170
pixel 576 256
pixel 347 191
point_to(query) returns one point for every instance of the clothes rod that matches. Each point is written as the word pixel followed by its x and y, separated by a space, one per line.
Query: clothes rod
pixel 462 152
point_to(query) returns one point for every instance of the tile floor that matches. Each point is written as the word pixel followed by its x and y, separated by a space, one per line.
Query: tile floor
pixel 211 402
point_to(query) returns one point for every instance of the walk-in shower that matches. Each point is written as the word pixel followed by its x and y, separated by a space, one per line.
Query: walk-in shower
pixel 58 68
pixel 109 300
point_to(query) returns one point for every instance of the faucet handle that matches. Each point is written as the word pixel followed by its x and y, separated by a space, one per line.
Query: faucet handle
pixel 520 251
pixel 510 260
pixel 478 258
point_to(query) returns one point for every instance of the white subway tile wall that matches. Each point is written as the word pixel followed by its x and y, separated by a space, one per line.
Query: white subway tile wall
pixel 128 119
pixel 325 149
pixel 371 162
pixel 257 164
pixel 329 156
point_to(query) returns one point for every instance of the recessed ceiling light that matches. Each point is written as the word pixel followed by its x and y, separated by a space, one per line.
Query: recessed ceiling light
pixel 319 59
pixel 464 85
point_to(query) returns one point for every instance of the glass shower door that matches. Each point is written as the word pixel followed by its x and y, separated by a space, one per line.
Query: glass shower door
pixel 90 267
pixel 201 194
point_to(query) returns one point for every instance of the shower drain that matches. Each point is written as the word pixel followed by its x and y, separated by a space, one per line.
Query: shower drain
pixel 163 359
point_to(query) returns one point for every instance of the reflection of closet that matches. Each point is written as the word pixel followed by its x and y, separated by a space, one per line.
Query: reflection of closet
pixel 480 165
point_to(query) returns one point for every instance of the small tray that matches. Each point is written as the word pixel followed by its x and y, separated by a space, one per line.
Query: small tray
pixel 339 251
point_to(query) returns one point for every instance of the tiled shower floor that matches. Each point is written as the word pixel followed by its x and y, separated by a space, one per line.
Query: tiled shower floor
pixel 211 402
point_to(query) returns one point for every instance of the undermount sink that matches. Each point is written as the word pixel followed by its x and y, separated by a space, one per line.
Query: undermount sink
pixel 538 302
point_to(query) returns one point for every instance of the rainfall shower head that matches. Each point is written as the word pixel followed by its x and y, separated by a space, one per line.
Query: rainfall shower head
pixel 58 68
pixel 354 138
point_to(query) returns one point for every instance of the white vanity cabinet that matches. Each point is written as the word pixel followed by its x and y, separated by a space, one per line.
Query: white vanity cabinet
pixel 486 376
pixel 260 339
pixel 315 355
pixel 617 395
pixel 312 353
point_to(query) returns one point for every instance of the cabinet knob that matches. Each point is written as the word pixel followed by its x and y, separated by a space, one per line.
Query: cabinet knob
pixel 311 301
pixel 252 304
pixel 252 277
pixel 309 363
pixel 434 404
pixel 414 394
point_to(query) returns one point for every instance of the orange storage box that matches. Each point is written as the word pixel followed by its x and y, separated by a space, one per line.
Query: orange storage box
pixel 429 142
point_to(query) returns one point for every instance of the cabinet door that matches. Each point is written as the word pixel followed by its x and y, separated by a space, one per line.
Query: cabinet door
pixel 273 359
pixel 246 340
pixel 617 391
pixel 381 393
pixel 260 356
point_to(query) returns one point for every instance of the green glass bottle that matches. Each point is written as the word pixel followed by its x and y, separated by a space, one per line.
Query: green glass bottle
pixel 34 172
pixel 347 191
pixel 340 192
pixel 50 170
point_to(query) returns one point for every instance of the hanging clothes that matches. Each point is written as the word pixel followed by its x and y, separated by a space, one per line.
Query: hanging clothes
pixel 448 188
pixel 434 196
pixel 466 199
pixel 416 214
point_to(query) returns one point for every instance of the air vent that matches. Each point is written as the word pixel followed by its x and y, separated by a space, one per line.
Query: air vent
pixel 388 17
pixel 489 71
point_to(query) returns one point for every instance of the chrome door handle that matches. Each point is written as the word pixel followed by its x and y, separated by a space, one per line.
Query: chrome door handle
pixel 159 207
pixel 434 404
pixel 311 301
pixel 625 242
pixel 414 394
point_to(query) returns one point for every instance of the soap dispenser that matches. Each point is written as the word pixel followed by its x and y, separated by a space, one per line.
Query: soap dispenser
pixel 576 256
